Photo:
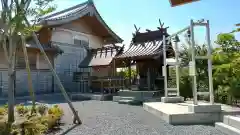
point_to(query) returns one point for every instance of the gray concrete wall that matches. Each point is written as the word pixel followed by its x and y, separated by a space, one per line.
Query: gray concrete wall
pixel 67 63
pixel 42 82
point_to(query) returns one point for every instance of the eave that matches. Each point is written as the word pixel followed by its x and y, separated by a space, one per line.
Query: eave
pixel 85 9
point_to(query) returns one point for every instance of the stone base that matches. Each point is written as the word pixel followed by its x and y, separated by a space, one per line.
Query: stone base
pixel 84 96
pixel 178 99
pixel 204 108
pixel 178 113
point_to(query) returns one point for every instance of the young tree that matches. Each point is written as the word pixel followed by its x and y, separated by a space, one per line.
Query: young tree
pixel 226 73
pixel 15 27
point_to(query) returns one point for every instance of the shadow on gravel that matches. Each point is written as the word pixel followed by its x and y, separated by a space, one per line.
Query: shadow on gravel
pixel 70 129
pixel 212 125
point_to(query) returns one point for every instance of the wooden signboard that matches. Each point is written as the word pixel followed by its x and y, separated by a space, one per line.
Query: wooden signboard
pixel 175 3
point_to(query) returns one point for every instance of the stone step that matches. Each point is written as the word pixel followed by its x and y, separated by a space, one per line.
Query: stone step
pixel 130 102
pixel 117 98
pixel 137 94
pixel 124 101
pixel 233 121
pixel 229 130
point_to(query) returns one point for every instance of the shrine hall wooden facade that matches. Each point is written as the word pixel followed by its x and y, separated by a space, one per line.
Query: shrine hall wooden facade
pixel 146 52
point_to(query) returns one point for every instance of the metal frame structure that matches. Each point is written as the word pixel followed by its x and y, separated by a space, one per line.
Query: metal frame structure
pixel 192 64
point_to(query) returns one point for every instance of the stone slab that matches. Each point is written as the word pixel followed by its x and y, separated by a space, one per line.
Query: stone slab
pixel 179 114
pixel 204 108
pixel 101 97
pixel 229 130
pixel 117 98
pixel 130 102
pixel 177 99
pixel 233 121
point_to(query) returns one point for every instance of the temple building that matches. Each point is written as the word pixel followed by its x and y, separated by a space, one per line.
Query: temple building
pixel 145 52
pixel 78 32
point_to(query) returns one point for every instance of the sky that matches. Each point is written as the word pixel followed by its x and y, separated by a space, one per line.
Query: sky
pixel 121 15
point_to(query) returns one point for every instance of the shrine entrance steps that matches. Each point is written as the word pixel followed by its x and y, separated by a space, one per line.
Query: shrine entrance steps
pixel 230 125
pixel 136 97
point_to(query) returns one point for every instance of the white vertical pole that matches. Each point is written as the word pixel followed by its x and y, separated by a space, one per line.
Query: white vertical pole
pixel 177 67
pixel 194 85
pixel 211 92
pixel 165 66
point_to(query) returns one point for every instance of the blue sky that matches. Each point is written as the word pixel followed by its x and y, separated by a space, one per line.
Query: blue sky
pixel 121 15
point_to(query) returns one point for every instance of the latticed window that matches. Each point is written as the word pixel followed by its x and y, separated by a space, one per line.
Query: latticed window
pixel 77 76
pixel 81 42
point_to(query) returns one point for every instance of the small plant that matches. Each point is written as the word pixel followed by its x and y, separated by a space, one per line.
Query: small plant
pixel 3 111
pixel 55 110
pixel 42 109
pixel 5 106
pixel 21 109
pixel 55 114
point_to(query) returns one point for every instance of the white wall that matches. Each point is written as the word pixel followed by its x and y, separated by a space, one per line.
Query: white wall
pixel 42 63
pixel 67 36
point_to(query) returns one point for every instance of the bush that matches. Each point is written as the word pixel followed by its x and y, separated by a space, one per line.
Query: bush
pixel 3 111
pixel 185 87
pixel 42 109
pixel 55 114
pixel 37 123
pixel 21 109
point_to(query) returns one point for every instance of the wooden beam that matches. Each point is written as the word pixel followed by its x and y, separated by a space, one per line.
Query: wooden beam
pixel 175 3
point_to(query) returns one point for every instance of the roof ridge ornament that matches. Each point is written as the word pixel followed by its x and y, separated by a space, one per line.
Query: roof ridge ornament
pixel 161 25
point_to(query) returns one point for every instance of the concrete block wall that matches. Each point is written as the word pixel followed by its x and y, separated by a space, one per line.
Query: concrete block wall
pixel 42 82
pixel 67 63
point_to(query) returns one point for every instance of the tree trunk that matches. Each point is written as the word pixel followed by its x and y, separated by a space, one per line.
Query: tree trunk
pixel 30 85
pixel 11 78
pixel 58 81
pixel 10 93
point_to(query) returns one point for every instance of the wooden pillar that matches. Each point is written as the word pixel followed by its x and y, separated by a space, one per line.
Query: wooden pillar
pixel 102 91
pixel 130 74
pixel 89 82
pixel 149 79
pixel 114 75
pixel 137 72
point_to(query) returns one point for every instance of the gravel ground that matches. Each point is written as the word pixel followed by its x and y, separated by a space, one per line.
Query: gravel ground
pixel 110 118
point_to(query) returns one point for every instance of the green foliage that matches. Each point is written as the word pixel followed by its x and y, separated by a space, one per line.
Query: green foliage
pixel 125 73
pixel 3 111
pixel 22 110
pixel 201 70
pixel 185 87
pixel 42 109
pixel 226 73
pixel 45 119
pixel 226 70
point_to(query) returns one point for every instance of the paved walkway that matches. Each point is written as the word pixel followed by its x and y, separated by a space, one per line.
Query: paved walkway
pixel 110 118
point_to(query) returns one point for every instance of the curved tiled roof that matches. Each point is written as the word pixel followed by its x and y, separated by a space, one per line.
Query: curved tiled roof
pixel 148 49
pixel 101 56
pixel 144 49
pixel 64 14
pixel 74 13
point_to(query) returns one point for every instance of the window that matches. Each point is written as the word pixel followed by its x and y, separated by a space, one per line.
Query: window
pixel 77 42
pixel 81 42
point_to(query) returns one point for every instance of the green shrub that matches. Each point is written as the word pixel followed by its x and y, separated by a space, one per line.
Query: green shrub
pixel 3 111
pixel 42 109
pixel 185 87
pixel 32 124
pixel 55 113
pixel 21 109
